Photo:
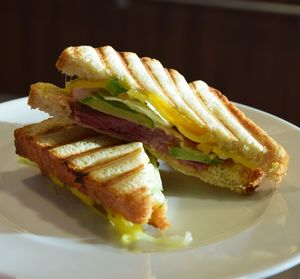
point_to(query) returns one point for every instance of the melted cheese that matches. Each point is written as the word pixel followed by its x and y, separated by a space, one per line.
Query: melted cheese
pixel 121 225
pixel 129 232
pixel 186 126
pixel 191 130
pixel 235 157
pixel 80 83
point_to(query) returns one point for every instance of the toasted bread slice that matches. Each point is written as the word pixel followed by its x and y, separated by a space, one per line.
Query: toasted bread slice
pixel 115 174
pixel 230 175
pixel 51 99
pixel 200 112
pixel 196 114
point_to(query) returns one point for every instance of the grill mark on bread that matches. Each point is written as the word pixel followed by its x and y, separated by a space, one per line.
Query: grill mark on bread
pixel 103 163
pixel 232 131
pixel 117 66
pixel 217 118
pixel 227 105
pixel 86 153
pixel 53 143
pixel 53 130
pixel 125 61
pixel 125 68
pixel 275 153
pixel 134 201
pixel 123 176
pixel 172 81
pixel 205 107
pixel 106 60
pixel 248 124
pixel 55 133
pixel 79 178
pixel 54 127
pixel 83 174
pixel 100 55
pixel 172 74
pixel 145 61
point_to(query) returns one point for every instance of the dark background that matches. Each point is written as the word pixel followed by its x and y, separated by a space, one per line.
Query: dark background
pixel 252 57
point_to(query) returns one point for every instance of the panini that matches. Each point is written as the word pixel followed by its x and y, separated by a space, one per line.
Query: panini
pixel 191 126
pixel 109 172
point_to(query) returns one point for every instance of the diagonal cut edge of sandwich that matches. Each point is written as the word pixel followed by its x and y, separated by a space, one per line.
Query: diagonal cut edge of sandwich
pixel 107 174
pixel 191 126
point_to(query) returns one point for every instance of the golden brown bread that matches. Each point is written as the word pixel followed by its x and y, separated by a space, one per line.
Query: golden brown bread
pixel 51 99
pixel 275 161
pixel 115 174
pixel 197 103
pixel 233 176
pixel 199 112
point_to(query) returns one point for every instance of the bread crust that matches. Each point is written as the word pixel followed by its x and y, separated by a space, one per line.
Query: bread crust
pixel 37 142
pixel 232 176
pixel 200 104
pixel 275 154
pixel 148 75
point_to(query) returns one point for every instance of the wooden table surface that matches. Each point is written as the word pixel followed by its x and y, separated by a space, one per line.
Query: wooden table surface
pixel 293 273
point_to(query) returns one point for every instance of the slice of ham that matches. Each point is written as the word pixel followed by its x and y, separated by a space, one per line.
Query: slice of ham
pixel 81 93
pixel 156 138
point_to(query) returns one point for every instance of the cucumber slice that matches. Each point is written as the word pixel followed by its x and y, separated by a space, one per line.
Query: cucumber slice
pixel 117 109
pixel 114 88
pixel 194 155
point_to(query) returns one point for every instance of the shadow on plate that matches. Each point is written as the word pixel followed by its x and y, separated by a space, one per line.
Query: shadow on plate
pixel 42 208
pixel 180 185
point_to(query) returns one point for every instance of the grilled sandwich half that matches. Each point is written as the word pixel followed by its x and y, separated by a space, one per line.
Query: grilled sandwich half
pixel 100 170
pixel 192 126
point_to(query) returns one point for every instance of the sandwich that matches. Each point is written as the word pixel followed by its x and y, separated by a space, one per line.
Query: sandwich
pixel 191 126
pixel 109 174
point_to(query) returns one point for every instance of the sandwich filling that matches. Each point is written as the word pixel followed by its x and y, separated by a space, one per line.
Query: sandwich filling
pixel 109 107
pixel 198 125
pixel 118 175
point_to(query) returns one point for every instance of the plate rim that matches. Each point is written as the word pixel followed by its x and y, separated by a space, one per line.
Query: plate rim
pixel 289 262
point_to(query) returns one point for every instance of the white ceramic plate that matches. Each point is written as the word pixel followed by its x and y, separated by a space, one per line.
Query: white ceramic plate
pixel 46 233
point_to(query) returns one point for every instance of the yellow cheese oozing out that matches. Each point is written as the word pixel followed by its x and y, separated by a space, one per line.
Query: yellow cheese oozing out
pixel 121 225
pixel 185 125
pixel 129 231
pixel 189 129
pixel 81 83
pixel 235 157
